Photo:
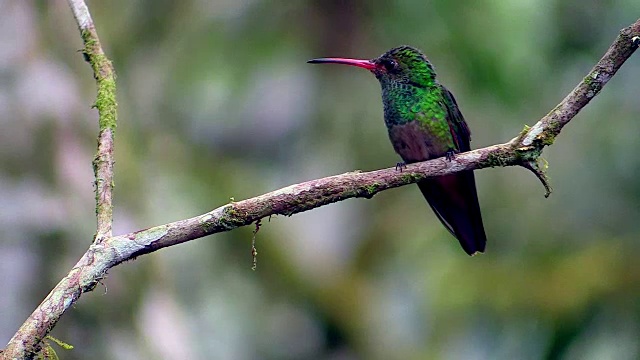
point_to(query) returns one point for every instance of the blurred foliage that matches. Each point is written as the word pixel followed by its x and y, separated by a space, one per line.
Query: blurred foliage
pixel 216 101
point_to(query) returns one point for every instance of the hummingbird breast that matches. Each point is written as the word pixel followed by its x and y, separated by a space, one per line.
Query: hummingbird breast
pixel 415 143
pixel 416 119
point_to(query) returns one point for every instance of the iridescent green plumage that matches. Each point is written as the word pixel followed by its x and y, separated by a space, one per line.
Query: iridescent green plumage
pixel 424 122
pixel 411 93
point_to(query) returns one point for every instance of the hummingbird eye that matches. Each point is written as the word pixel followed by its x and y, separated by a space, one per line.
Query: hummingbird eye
pixel 390 65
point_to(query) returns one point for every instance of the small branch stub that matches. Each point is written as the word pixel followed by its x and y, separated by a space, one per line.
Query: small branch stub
pixel 540 170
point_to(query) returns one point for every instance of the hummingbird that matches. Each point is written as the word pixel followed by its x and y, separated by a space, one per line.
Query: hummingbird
pixel 424 122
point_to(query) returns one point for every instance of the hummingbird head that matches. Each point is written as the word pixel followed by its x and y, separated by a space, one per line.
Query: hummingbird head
pixel 400 65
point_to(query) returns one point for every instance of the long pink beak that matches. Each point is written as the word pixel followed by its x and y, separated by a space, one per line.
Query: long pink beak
pixel 353 62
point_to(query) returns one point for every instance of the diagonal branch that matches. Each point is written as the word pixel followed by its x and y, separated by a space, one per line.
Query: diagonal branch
pixel 524 150
pixel 107 107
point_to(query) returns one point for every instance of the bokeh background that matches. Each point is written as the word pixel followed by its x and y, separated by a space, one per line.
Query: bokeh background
pixel 216 102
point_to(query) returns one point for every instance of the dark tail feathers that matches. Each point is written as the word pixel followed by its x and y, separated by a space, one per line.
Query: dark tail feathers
pixel 455 201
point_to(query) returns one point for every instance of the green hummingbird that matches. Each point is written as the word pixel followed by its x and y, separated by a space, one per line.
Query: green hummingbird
pixel 424 122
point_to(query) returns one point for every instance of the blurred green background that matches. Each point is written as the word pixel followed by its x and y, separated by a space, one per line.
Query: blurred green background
pixel 216 101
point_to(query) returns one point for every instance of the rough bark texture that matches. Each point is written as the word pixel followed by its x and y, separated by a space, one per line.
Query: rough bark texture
pixel 108 251
pixel 26 343
pixel 107 115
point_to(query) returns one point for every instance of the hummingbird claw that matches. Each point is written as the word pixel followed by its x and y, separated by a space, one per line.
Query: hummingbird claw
pixel 400 166
pixel 450 155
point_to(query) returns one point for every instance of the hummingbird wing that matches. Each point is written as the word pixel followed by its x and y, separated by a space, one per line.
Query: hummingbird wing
pixel 454 198
pixel 459 129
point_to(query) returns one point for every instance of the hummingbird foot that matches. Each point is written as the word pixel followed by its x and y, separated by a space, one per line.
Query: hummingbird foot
pixel 401 165
pixel 450 155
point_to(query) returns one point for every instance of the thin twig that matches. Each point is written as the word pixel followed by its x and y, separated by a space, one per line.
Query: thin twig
pixel 102 256
pixel 540 172
pixel 107 111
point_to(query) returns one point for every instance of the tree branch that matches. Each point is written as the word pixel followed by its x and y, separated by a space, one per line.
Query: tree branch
pixel 107 112
pixel 26 342
pixel 524 150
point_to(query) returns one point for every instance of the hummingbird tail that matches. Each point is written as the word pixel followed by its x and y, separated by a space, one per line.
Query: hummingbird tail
pixel 455 201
